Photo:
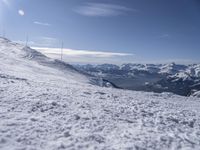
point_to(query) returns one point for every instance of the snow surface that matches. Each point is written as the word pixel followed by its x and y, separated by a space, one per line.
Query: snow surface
pixel 44 106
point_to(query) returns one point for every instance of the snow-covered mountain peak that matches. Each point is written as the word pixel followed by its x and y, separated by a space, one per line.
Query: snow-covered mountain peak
pixel 172 68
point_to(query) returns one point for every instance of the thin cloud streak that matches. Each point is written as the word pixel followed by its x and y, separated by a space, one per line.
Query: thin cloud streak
pixel 73 52
pixel 102 9
pixel 41 23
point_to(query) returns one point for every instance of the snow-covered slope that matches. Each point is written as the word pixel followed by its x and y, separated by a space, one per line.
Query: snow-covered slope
pixel 46 108
pixel 24 62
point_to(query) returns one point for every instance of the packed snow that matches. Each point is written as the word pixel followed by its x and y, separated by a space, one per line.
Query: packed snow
pixel 46 105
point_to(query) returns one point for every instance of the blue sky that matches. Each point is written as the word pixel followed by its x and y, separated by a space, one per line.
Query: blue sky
pixel 107 31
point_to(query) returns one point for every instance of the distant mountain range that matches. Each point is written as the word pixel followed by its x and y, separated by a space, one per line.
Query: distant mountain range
pixel 176 78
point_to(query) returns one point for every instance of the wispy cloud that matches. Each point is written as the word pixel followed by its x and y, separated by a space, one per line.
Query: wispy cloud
pixel 41 23
pixel 102 9
pixel 45 44
pixel 74 52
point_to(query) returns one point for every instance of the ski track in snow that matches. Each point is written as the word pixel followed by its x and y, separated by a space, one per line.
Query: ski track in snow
pixel 42 108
